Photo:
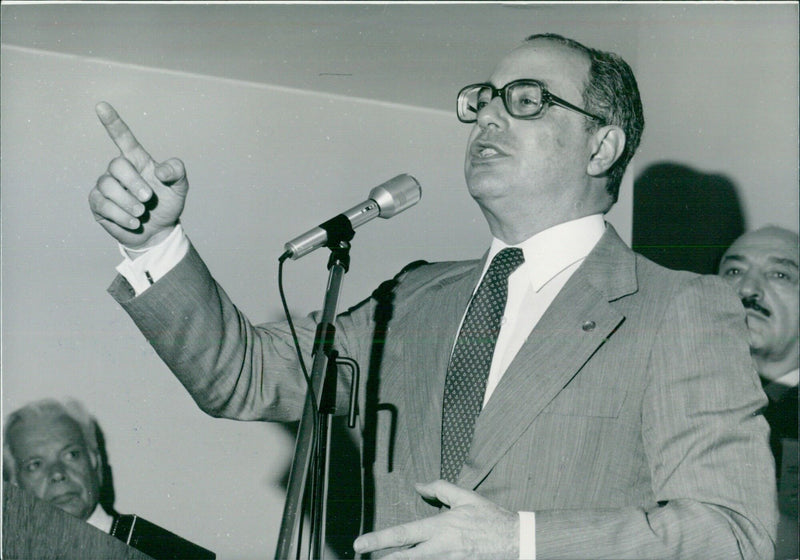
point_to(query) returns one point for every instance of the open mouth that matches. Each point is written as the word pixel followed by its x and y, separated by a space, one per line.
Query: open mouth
pixel 485 151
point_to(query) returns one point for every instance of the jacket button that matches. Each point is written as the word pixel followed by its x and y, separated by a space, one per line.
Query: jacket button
pixel 588 326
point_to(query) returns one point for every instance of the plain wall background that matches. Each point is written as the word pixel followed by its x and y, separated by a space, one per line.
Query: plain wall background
pixel 266 163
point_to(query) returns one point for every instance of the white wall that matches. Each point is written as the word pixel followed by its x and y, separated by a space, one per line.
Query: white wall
pixel 720 88
pixel 265 164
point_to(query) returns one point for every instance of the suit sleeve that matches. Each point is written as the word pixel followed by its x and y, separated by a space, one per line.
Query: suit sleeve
pixel 230 367
pixel 706 441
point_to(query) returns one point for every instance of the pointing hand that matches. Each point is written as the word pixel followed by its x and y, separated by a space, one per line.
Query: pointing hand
pixel 137 200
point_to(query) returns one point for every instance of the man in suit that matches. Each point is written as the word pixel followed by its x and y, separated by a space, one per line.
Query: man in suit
pixel 617 405
pixel 51 449
pixel 763 268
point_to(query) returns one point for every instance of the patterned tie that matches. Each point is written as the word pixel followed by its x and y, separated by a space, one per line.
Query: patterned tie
pixel 472 357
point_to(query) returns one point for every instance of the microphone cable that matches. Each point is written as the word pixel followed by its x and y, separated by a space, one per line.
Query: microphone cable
pixel 296 341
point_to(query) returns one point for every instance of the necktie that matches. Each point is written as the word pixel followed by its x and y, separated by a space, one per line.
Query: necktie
pixel 465 384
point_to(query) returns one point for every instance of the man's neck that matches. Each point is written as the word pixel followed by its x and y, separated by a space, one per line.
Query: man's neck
pixel 514 234
pixel 773 370
pixel 100 519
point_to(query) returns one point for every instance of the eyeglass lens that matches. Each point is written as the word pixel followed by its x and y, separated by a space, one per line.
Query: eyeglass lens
pixel 520 99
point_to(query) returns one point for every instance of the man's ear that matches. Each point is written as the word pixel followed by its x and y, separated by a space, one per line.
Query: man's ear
pixel 606 145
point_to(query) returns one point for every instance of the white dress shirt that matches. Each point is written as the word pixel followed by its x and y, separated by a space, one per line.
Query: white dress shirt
pixel 551 257
pixel 777 387
pixel 100 519
pixel 149 265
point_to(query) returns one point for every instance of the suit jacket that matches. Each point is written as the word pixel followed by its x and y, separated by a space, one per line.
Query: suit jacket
pixel 628 420
pixel 781 415
pixel 155 541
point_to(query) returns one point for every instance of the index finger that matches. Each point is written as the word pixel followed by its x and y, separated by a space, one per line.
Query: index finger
pixel 121 135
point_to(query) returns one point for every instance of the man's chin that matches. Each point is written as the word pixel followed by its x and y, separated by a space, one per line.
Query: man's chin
pixel 486 185
pixel 73 505
pixel 758 341
pixel 758 327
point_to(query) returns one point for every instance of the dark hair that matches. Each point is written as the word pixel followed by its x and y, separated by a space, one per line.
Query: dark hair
pixel 612 94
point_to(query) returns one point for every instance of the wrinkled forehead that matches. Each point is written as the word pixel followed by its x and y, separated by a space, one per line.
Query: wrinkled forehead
pixel 766 246
pixel 563 70
pixel 34 433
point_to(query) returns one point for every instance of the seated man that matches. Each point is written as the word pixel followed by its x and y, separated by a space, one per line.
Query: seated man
pixel 51 449
pixel 762 266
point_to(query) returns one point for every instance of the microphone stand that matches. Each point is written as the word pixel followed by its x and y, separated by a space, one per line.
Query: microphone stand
pixel 312 447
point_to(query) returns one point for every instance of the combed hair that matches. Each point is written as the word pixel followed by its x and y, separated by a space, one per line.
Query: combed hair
pixel 48 408
pixel 612 94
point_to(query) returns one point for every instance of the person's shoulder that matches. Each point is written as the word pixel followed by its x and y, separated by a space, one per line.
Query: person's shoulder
pixel 706 291
pixel 419 273
pixel 649 268
pixel 156 541
pixel 416 277
pixel 616 267
pixel 650 271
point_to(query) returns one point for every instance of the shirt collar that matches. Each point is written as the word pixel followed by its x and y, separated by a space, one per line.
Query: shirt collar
pixel 776 389
pixel 100 519
pixel 553 250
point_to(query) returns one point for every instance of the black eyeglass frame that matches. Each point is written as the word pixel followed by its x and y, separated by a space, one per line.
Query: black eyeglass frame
pixel 547 99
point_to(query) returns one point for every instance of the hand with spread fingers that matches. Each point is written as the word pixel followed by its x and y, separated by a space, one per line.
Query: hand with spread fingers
pixel 137 200
pixel 473 528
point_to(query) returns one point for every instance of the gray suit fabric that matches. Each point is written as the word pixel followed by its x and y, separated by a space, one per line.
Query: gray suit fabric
pixel 628 420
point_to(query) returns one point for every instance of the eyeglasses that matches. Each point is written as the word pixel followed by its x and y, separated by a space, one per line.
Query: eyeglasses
pixel 523 99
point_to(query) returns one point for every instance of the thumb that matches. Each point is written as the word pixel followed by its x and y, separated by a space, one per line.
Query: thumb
pixel 447 493
pixel 173 173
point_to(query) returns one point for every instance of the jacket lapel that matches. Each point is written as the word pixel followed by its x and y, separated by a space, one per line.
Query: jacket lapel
pixel 575 325
pixel 425 388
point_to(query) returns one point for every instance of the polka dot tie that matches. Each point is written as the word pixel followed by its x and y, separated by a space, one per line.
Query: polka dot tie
pixel 472 357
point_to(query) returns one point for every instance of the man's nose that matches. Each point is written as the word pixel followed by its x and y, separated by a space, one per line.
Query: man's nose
pixel 750 286
pixel 57 472
pixel 494 113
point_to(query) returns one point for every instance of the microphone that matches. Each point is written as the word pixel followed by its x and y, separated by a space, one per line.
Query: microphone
pixel 385 200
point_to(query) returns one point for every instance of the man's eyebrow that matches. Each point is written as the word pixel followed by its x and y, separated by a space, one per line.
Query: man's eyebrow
pixel 727 258
pixel 785 261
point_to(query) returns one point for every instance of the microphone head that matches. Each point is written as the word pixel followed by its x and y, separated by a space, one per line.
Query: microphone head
pixel 396 195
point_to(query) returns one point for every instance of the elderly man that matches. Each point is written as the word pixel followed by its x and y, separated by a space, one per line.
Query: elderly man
pixel 763 268
pixel 51 449
pixel 562 397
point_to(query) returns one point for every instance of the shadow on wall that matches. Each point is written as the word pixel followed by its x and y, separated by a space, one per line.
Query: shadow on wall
pixel 107 495
pixel 351 494
pixel 343 520
pixel 684 219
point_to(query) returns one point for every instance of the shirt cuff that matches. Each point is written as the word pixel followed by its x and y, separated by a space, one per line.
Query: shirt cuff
pixel 527 535
pixel 151 264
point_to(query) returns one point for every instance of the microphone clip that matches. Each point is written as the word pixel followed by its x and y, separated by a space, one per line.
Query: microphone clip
pixel 340 233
